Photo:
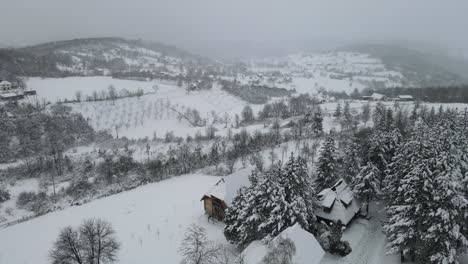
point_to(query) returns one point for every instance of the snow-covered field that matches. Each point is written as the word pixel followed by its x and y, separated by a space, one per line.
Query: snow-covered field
pixel 53 89
pixel 150 222
pixel 145 116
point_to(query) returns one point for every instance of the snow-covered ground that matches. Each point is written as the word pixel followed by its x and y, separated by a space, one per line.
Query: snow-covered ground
pixel 8 209
pixel 150 222
pixel 145 116
pixel 332 71
pixel 54 89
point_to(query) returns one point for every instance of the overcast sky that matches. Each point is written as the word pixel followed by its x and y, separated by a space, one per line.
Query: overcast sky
pixel 223 27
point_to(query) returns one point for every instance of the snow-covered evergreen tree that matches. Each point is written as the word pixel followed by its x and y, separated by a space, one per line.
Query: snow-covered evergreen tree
pixel 276 200
pixel 426 208
pixel 327 165
pixel 242 219
pixel 317 122
pixel 351 160
pixel 366 113
pixel 299 191
pixel 338 111
pixel 367 183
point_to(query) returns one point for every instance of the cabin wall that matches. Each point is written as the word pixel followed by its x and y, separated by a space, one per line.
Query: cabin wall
pixel 208 203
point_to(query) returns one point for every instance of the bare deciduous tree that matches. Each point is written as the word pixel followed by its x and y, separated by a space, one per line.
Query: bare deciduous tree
pixel 196 248
pixel 93 243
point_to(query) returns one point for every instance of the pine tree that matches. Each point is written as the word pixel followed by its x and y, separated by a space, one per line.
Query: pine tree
pixel 272 206
pixel 276 200
pixel 317 122
pixel 382 146
pixel 300 194
pixel 338 111
pixel 379 116
pixel 352 160
pixel 242 219
pixel 404 209
pixel 347 118
pixel 257 212
pixel 366 113
pixel 367 183
pixel 326 168
pixel 426 208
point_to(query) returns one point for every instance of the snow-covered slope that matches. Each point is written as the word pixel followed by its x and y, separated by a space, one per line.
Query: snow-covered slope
pixel 334 71
pixel 104 55
pixel 150 222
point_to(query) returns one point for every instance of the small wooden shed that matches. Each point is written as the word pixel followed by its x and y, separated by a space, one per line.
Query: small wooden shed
pixel 220 196
pixel 213 201
pixel 214 207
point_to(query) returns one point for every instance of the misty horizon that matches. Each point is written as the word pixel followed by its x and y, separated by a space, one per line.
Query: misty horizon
pixel 239 28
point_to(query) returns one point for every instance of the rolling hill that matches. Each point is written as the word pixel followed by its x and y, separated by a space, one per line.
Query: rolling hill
pixel 92 56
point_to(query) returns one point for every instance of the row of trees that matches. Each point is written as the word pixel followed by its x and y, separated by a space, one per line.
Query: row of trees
pixel 254 94
pixel 28 131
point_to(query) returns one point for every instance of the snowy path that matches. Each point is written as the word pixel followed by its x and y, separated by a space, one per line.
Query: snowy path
pixel 367 241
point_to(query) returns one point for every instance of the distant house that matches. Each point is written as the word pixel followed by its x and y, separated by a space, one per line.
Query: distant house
pixel 5 86
pixel 11 96
pixel 405 98
pixel 308 249
pixel 375 97
pixel 220 196
pixel 338 204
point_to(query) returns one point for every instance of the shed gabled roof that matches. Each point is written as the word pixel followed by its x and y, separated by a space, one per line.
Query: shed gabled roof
pixel 227 187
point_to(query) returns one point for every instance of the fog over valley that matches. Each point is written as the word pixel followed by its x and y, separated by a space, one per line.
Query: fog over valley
pixel 226 28
pixel 233 132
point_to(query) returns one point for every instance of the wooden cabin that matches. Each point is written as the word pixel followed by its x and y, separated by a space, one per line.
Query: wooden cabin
pixel 338 204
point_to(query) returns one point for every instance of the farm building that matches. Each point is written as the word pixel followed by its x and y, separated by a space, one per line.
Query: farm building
pixel 375 97
pixel 5 85
pixel 11 96
pixel 405 98
pixel 338 204
pixel 220 196
pixel 308 249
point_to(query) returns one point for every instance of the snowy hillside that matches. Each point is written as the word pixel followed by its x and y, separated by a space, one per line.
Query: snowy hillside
pixel 104 55
pixel 333 71
pixel 149 229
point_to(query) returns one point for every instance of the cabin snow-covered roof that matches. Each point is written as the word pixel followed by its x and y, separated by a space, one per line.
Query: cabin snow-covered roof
pixel 337 203
pixel 5 83
pixel 308 249
pixel 227 187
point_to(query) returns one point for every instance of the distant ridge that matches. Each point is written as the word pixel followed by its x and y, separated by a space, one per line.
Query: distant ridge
pixel 428 68
pixel 90 56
